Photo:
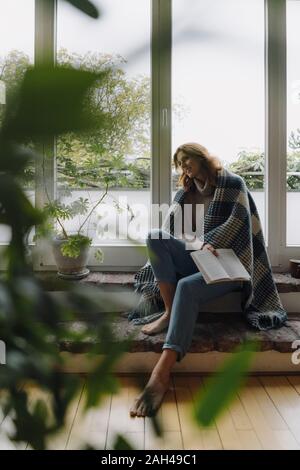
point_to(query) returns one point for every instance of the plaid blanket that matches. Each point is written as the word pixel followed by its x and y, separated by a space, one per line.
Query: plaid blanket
pixel 232 221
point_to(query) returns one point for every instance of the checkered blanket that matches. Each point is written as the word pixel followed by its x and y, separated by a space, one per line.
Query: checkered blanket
pixel 232 221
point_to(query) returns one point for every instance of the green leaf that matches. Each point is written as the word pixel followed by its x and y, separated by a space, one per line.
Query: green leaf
pixel 51 101
pixel 16 209
pixel 222 387
pixel 15 158
pixel 73 246
pixel 86 7
pixel 121 443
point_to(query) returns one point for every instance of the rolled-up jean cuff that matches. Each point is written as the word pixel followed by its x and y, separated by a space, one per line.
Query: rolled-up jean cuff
pixel 175 348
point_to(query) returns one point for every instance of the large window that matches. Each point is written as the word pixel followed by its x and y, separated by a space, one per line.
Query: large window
pixel 218 84
pixel 121 153
pixel 225 71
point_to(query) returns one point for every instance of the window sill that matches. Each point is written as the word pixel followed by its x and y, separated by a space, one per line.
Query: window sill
pixel 284 281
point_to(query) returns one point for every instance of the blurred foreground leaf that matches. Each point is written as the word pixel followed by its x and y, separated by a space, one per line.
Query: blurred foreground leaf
pixel 121 443
pixel 222 387
pixel 86 7
pixel 50 101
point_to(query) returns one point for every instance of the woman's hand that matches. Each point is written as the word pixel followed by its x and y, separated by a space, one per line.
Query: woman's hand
pixel 208 246
pixel 187 183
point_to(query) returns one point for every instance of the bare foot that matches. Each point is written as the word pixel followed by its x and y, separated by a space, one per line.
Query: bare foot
pixel 157 326
pixel 149 401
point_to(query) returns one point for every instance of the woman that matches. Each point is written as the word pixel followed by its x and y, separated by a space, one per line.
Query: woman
pixel 230 221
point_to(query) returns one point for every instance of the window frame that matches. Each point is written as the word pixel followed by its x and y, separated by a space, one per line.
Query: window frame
pixel 276 134
pixel 161 127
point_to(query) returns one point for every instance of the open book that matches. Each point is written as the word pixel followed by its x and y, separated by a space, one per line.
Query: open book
pixel 225 267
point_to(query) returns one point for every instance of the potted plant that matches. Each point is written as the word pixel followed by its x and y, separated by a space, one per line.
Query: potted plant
pixel 70 248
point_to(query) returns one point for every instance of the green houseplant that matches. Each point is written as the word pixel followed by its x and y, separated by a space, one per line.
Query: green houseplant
pixel 71 249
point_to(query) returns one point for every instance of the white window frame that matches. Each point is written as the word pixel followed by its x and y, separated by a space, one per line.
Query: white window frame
pixel 276 135
pixel 131 257
pixel 124 257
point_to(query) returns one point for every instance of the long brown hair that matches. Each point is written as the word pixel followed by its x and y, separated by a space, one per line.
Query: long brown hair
pixel 209 163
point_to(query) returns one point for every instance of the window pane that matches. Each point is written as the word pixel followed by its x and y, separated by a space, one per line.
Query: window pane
pixel 293 123
pixel 121 39
pixel 218 85
pixel 16 54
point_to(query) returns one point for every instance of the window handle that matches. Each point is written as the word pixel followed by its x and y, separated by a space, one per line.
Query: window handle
pixel 164 117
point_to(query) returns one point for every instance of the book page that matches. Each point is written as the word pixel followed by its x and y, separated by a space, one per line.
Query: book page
pixel 209 265
pixel 231 264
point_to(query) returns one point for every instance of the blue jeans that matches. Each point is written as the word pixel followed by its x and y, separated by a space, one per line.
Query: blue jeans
pixel 171 262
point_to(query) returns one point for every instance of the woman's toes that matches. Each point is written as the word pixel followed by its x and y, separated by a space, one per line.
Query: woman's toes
pixel 151 398
pixel 145 408
pixel 135 406
pixel 132 411
pixel 148 409
pixel 157 326
pixel 141 410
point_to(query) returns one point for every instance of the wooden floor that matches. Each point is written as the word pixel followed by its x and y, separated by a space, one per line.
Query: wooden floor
pixel 264 415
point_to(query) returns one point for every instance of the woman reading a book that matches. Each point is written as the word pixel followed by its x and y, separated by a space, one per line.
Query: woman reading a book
pixel 228 210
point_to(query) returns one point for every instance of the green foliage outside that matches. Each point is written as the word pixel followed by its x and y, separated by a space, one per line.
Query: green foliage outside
pixel 251 166
pixel 117 151
pixel 90 159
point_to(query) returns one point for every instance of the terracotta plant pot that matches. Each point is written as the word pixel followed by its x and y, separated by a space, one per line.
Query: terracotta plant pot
pixel 67 267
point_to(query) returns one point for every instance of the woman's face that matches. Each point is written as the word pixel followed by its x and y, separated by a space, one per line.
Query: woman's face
pixel 189 165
